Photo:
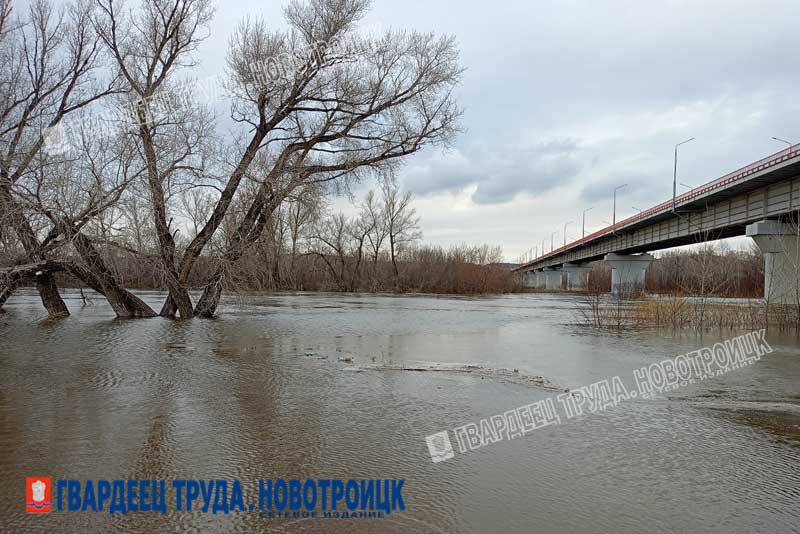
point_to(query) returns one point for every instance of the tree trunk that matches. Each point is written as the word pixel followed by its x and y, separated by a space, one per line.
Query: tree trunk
pixel 52 301
pixel 100 278
pixel 5 292
pixel 169 309
pixel 195 248
pixel 48 290
pixel 212 293
pixel 177 291
pixel 247 233
pixel 394 264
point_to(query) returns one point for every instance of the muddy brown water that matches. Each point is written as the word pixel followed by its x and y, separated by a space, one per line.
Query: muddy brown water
pixel 260 393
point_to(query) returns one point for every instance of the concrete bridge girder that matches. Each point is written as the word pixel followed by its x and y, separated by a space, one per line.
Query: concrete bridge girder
pixel 779 244
pixel 627 272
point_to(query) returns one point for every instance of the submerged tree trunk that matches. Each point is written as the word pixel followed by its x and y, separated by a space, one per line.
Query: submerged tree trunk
pixel 100 278
pixel 51 299
pixel 212 293
pixel 195 248
pixel 247 233
pixel 177 292
pixel 5 292
pixel 45 284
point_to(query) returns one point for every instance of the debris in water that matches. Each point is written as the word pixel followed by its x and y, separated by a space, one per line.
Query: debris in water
pixel 346 359
pixel 513 376
pixel 178 346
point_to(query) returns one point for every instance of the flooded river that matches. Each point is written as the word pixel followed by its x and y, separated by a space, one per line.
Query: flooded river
pixel 300 386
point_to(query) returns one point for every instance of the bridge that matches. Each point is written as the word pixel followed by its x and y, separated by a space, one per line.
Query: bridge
pixel 760 200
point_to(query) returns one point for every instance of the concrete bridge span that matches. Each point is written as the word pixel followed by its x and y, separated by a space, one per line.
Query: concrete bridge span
pixel 760 200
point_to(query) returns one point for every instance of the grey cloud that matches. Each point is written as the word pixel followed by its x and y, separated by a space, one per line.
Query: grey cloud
pixel 500 173
pixel 638 186
pixel 450 171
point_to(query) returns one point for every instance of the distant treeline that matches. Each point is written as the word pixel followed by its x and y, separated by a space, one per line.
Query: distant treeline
pixel 421 269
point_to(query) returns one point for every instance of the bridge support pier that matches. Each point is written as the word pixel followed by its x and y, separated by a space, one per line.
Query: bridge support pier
pixel 529 279
pixel 577 276
pixel 552 277
pixel 534 280
pixel 779 244
pixel 627 272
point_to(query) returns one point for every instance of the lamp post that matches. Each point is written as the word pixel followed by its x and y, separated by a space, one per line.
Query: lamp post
pixel 675 173
pixel 788 143
pixel 565 232
pixel 583 225
pixel 637 209
pixel 614 214
pixel 552 240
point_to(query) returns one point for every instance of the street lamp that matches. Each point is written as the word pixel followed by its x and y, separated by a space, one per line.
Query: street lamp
pixel 788 143
pixel 614 214
pixel 637 209
pixel 583 226
pixel 565 232
pixel 675 173
pixel 687 186
pixel 552 241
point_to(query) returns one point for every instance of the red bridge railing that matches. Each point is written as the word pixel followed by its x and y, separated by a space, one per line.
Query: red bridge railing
pixel 765 163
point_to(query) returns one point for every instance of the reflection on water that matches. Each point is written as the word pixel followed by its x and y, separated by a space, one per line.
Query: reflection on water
pixel 261 393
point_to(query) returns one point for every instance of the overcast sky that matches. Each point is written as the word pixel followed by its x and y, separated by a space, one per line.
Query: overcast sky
pixel 566 99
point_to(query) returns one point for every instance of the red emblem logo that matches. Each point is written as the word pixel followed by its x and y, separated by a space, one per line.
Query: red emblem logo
pixel 37 495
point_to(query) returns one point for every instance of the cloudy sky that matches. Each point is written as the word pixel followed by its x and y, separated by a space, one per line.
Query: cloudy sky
pixel 566 99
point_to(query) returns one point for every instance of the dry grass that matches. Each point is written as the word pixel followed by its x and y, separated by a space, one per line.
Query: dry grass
pixel 681 312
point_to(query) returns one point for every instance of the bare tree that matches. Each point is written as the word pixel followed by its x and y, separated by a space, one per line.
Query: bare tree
pixel 346 112
pixel 79 197
pixel 359 229
pixel 372 210
pixel 402 223
pixel 49 63
pixel 342 107
pixel 150 46
pixel 303 210
pixel 329 241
